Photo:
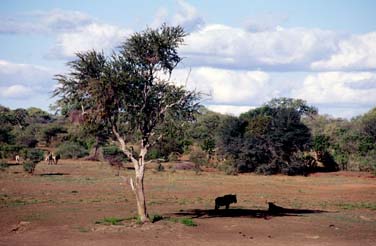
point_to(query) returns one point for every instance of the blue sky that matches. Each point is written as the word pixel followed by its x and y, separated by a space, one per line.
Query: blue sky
pixel 243 53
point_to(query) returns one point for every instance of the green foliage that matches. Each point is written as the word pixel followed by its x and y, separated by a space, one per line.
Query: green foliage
pixel 321 143
pixel 110 221
pixel 9 151
pixel 266 138
pixel 51 131
pixel 35 155
pixel 188 222
pixel 29 166
pixel 199 158
pixel 71 150
pixel 351 143
pixel 3 165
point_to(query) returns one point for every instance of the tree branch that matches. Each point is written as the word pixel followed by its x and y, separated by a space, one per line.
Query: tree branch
pixel 123 146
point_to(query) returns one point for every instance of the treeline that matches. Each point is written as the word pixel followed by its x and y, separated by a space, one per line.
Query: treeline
pixel 282 136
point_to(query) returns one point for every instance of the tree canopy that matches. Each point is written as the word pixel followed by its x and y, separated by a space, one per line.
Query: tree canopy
pixel 128 93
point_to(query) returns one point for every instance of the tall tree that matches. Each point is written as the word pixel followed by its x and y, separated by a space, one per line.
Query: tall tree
pixel 130 94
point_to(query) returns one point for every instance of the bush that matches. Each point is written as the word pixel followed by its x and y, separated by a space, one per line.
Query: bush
pixel 3 165
pixel 153 154
pixel 29 166
pixel 71 150
pixel 35 155
pixel 199 158
pixel 270 168
pixel 228 167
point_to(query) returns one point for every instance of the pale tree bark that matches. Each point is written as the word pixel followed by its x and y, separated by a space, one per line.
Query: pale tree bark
pixel 139 167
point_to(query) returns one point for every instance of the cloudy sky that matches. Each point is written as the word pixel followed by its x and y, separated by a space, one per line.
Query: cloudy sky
pixel 241 52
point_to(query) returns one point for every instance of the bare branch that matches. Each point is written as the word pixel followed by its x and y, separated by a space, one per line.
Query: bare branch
pixel 123 146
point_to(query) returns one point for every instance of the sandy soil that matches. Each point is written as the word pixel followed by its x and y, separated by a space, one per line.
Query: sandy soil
pixel 66 205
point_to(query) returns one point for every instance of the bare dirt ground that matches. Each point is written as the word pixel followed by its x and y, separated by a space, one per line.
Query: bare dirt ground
pixel 66 205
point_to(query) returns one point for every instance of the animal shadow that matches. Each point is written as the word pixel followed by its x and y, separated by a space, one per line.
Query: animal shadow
pixel 272 211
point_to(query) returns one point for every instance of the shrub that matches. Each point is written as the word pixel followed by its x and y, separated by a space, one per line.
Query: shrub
pixel 270 168
pixel 71 150
pixel 3 165
pixel 153 154
pixel 199 158
pixel 228 167
pixel 29 166
pixel 35 155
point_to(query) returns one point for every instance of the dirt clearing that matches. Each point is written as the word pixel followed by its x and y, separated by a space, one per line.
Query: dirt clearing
pixel 84 203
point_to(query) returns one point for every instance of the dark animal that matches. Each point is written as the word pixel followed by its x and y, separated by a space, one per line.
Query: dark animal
pixel 274 209
pixel 225 201
pixel 56 158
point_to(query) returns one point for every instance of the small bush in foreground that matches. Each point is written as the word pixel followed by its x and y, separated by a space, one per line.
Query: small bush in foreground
pixel 3 165
pixel 29 166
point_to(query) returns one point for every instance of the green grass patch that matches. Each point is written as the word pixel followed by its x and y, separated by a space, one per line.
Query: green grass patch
pixel 184 221
pixel 110 221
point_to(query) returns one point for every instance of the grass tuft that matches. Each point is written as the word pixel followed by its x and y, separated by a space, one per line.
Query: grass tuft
pixel 110 221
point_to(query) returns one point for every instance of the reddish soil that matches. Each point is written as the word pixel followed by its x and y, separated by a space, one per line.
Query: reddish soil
pixel 61 204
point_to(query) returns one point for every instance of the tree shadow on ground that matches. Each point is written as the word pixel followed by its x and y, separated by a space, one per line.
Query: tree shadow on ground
pixel 272 211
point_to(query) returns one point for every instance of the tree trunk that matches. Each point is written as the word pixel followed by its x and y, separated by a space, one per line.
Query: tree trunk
pixel 140 198
pixel 139 167
pixel 139 187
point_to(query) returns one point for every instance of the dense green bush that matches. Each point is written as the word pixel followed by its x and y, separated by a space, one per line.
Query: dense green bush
pixel 29 166
pixel 71 150
pixel 3 165
pixel 35 155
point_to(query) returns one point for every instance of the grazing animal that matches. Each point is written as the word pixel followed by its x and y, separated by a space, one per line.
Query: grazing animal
pixel 56 158
pixel 52 159
pixel 49 159
pixel 17 159
pixel 225 201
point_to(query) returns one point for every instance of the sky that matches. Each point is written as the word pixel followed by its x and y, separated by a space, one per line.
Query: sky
pixel 241 53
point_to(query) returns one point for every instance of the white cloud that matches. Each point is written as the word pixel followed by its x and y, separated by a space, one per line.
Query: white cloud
pixel 94 36
pixel 338 88
pixel 186 16
pixel 15 91
pixel 26 74
pixel 230 109
pixel 357 52
pixel 278 49
pixel 265 22
pixel 52 21
pixel 228 86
